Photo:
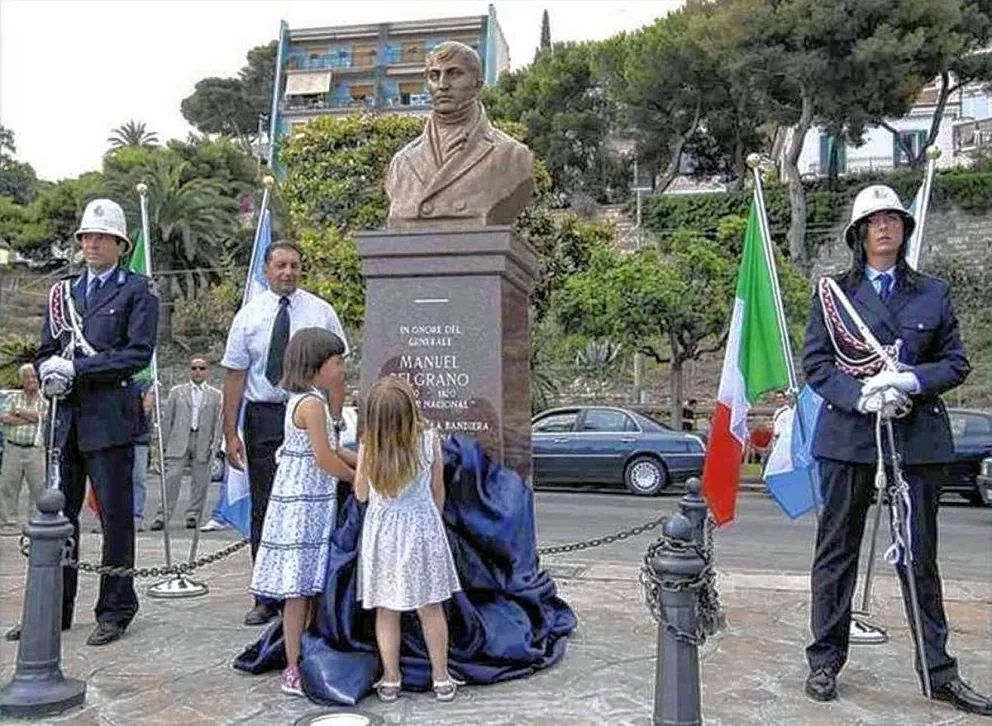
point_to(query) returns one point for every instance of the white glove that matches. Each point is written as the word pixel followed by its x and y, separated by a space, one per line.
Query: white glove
pixel 59 366
pixel 54 385
pixel 905 381
pixel 889 402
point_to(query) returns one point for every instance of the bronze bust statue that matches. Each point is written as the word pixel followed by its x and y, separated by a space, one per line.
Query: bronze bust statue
pixel 461 171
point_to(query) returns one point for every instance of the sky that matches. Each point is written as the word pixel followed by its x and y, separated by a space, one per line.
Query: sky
pixel 72 70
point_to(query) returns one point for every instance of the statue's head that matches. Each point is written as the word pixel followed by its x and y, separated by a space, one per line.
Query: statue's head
pixel 454 76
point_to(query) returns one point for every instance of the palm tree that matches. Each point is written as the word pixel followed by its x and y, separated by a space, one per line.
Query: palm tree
pixel 191 224
pixel 132 133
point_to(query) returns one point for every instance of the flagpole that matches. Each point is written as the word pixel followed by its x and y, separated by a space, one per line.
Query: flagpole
pixel 267 183
pixel 142 189
pixel 932 153
pixel 177 586
pixel 753 161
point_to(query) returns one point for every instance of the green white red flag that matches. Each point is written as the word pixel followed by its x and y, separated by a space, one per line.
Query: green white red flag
pixel 755 362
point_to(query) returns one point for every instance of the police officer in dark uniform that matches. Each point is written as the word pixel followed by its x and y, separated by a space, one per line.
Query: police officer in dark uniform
pixel 90 357
pixel 897 304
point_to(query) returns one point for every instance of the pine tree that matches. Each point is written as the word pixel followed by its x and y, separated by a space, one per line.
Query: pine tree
pixel 545 31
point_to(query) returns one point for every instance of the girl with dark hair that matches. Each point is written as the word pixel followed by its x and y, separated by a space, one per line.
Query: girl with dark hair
pixel 292 557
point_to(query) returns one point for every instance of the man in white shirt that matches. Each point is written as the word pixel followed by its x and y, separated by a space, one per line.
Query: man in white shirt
pixel 253 360
pixel 191 429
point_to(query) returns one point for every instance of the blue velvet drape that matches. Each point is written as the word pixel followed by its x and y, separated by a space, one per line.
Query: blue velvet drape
pixel 506 623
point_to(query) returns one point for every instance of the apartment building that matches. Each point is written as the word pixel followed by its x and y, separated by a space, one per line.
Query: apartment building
pixel 372 68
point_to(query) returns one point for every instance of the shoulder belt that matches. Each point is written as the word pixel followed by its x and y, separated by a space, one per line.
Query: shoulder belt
pixel 857 356
pixel 64 318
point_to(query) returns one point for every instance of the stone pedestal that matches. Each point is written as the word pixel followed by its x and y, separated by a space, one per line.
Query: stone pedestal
pixel 450 312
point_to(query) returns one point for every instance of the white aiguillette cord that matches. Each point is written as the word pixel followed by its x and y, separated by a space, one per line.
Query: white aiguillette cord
pixel 860 324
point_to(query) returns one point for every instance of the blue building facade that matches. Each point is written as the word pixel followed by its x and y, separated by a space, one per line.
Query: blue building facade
pixel 375 68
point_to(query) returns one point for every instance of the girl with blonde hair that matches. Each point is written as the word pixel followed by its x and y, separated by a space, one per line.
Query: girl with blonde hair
pixel 406 562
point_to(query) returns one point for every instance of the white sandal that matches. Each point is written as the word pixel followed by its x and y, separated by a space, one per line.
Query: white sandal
pixel 387 691
pixel 447 689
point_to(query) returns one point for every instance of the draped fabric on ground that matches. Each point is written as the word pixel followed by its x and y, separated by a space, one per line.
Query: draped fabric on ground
pixel 507 623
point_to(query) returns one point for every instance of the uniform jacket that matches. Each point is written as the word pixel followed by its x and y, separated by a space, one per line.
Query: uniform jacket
pixel 120 322
pixel 177 418
pixel 487 182
pixel 924 320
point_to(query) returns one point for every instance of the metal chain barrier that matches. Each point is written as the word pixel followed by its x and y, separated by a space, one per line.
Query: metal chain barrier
pixel 600 541
pixel 187 567
pixel 181 568
pixel 712 617
pixel 710 614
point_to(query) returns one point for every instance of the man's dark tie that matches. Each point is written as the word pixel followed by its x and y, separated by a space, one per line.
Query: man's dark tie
pixel 278 342
pixel 884 286
pixel 91 290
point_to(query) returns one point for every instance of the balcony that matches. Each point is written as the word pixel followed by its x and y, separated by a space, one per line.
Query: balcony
pixel 301 105
pixel 970 136
pixel 332 61
pixel 852 165
pixel 421 101
pixel 402 57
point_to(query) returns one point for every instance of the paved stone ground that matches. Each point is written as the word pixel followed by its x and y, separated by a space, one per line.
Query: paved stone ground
pixel 173 667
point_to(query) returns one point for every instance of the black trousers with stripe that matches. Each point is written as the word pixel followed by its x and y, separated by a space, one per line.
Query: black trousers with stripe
pixel 847 495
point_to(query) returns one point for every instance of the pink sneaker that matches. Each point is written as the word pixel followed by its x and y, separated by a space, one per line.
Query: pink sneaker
pixel 290 683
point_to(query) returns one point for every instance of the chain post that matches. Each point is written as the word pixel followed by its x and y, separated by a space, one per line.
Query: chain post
pixel 675 567
pixel 38 687
pixel 694 508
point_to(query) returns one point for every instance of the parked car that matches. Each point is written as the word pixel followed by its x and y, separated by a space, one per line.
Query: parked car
pixel 607 445
pixel 985 480
pixel 972 434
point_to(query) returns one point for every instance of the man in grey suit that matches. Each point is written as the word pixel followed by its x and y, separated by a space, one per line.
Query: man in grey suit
pixel 191 429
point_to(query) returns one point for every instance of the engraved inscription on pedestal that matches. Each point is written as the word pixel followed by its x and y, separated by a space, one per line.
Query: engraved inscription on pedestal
pixel 449 312
pixel 435 351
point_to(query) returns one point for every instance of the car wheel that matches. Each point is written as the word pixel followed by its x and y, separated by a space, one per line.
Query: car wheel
pixel 645 476
pixel 217 467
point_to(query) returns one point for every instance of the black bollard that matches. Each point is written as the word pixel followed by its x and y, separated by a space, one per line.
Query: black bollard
pixel 675 565
pixel 38 687
pixel 695 509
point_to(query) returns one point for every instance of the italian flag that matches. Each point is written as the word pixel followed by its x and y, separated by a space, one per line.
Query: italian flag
pixel 139 263
pixel 754 363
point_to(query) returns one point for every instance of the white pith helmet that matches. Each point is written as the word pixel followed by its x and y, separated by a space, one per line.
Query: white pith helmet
pixel 104 216
pixel 877 198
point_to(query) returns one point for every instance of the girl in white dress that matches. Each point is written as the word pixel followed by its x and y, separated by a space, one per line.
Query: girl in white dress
pixel 291 563
pixel 405 562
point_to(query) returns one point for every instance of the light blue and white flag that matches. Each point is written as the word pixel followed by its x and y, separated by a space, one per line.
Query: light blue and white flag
pixel 235 505
pixel 256 281
pixel 791 473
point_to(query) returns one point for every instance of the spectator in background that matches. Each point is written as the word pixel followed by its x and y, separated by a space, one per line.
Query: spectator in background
pixel 24 450
pixel 141 443
pixel 689 414
pixel 191 428
pixel 782 418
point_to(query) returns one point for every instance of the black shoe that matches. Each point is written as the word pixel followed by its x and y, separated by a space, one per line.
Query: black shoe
pixel 821 685
pixel 260 615
pixel 14 634
pixel 105 633
pixel 190 523
pixel 963 697
pixel 157 525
